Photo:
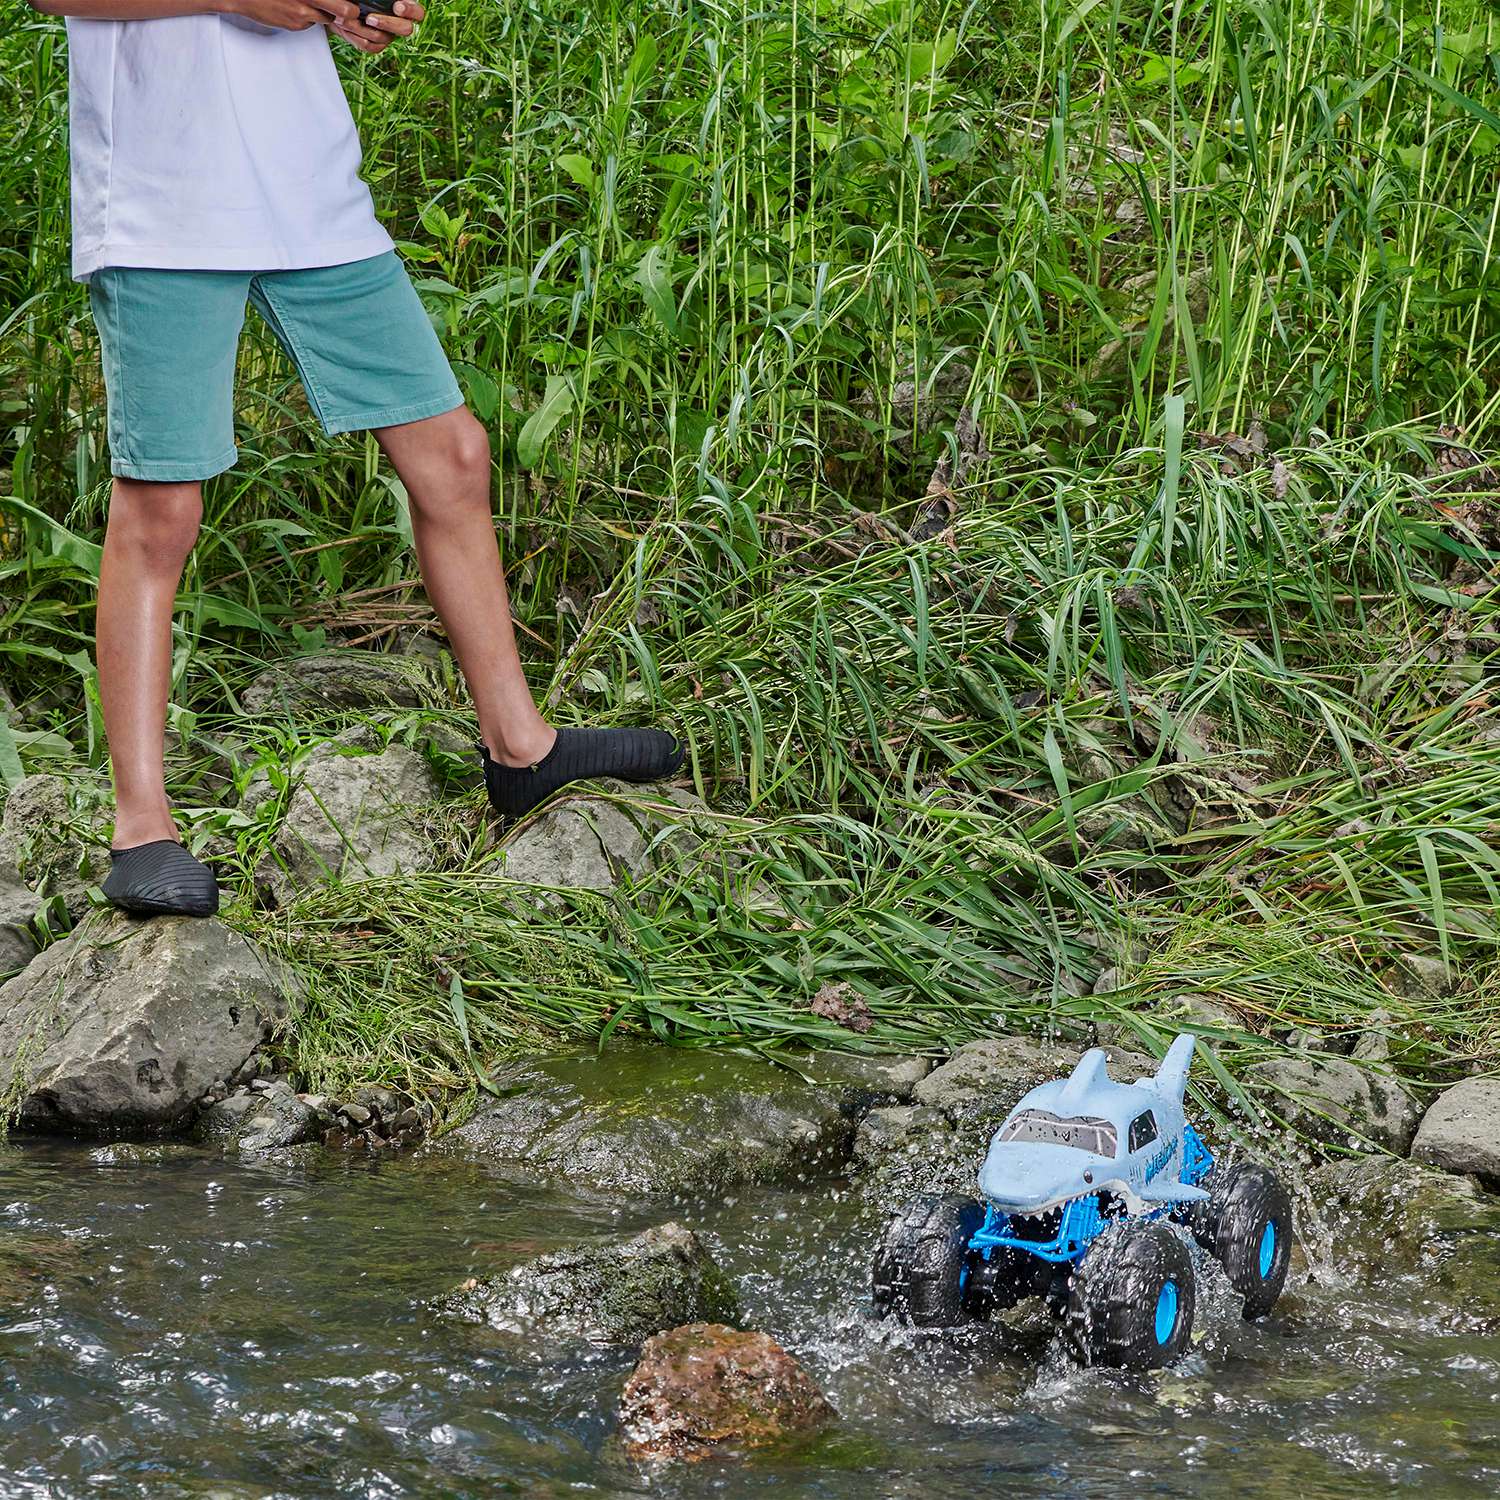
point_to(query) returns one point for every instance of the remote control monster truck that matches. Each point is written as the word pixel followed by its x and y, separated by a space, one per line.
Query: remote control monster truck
pixel 1078 1189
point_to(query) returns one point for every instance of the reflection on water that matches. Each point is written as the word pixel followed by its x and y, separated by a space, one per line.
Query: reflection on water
pixel 172 1324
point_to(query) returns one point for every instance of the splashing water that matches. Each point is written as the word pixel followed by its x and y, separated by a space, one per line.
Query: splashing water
pixel 196 1326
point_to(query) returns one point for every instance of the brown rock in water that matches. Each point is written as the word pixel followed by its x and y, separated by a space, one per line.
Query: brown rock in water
pixel 706 1386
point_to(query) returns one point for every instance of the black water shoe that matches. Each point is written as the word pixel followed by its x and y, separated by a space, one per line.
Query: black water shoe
pixel 581 755
pixel 160 879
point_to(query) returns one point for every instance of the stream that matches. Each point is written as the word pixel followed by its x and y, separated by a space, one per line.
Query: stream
pixel 212 1327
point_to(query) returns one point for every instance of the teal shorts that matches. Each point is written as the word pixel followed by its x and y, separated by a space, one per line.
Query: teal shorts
pixel 358 334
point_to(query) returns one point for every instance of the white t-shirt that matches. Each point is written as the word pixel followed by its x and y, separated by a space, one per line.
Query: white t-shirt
pixel 211 143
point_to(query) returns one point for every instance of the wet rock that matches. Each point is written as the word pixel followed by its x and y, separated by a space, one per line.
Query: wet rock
pixel 376 1100
pixel 126 1025
pixel 608 1291
pixel 863 1081
pixel 57 833
pixel 905 1150
pixel 279 1118
pixel 353 816
pixel 1388 1217
pixel 1461 1131
pixel 592 843
pixel 706 1387
pixel 223 1121
pixel 896 1129
pixel 144 1153
pixel 344 680
pixel 649 1119
pixel 1332 1099
pixel 375 1117
pixel 1373 1044
pixel 18 905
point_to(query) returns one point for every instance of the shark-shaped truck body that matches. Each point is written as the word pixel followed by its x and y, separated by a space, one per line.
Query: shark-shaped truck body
pixel 1079 1189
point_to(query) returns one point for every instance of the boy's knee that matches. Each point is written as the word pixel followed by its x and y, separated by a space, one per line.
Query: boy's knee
pixel 454 468
pixel 157 518
pixel 470 454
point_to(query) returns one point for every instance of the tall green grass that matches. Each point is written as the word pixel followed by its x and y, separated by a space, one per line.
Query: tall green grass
pixel 1037 454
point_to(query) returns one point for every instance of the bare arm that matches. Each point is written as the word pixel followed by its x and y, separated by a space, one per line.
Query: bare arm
pixel 341 16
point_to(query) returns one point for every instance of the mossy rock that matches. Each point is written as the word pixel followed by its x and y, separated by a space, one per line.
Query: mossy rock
pixel 643 1119
pixel 605 1291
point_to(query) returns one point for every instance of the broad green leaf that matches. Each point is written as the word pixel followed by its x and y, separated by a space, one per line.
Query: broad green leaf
pixel 654 277
pixel 11 770
pixel 579 168
pixel 556 404
pixel 65 544
pixel 926 58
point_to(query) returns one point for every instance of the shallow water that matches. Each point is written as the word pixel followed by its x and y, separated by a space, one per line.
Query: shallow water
pixel 217 1328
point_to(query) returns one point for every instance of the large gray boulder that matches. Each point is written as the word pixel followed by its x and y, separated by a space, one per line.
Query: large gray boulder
pixel 357 813
pixel 56 830
pixel 593 842
pixel 1461 1131
pixel 343 680
pixel 1334 1100
pixel 18 905
pixel 644 1119
pixel 607 1291
pixel 124 1025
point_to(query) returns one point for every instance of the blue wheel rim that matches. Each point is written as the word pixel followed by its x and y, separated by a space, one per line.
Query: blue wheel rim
pixel 1267 1249
pixel 1166 1312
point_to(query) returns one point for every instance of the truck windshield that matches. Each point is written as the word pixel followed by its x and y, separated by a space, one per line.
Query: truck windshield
pixel 1084 1132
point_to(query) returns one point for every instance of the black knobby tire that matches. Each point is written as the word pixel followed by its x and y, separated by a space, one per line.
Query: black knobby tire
pixel 1247 1228
pixel 921 1268
pixel 1132 1299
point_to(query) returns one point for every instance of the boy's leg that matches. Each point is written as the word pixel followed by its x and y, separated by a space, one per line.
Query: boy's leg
pixel 152 528
pixel 444 462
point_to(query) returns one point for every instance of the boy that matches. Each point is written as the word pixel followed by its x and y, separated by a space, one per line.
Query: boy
pixel 215 161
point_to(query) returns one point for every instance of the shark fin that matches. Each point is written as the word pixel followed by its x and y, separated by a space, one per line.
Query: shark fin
pixel 1092 1069
pixel 1171 1077
pixel 1172 1192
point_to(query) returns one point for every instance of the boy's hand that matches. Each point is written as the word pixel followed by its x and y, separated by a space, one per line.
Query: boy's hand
pixel 377 31
pixel 295 15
